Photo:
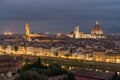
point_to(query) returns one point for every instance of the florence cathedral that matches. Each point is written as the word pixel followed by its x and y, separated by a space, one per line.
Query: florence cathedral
pixel 96 32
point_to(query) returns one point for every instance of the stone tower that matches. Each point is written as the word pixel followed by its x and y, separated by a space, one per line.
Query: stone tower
pixel 76 32
pixel 27 28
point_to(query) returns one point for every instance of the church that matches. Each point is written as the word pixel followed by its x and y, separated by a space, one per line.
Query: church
pixel 96 32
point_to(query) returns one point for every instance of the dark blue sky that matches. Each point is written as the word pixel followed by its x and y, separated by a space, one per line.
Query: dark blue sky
pixel 59 15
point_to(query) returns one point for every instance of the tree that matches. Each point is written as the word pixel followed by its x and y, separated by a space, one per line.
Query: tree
pixel 67 55
pixel 115 77
pixel 54 65
pixel 38 61
pixel 30 75
pixel 15 48
pixel 55 69
pixel 27 61
pixel 25 46
pixel 71 51
pixel 38 64
pixel 70 76
pixel 26 67
pixel 64 78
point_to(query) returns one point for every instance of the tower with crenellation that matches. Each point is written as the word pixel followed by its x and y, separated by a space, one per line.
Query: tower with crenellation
pixel 27 29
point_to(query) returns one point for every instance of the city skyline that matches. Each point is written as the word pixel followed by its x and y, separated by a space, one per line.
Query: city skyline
pixel 59 16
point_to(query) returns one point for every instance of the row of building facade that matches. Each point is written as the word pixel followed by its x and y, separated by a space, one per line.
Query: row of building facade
pixel 77 53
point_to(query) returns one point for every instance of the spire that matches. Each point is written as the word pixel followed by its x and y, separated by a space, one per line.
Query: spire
pixel 97 23
pixel 27 22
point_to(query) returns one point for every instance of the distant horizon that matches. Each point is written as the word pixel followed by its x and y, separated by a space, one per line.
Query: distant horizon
pixel 72 29
pixel 55 32
pixel 59 16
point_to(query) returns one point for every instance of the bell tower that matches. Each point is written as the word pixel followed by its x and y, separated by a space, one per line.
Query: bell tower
pixel 27 28
pixel 76 32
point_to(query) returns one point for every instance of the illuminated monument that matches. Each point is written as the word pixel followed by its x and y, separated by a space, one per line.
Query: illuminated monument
pixel 27 28
pixel 76 32
pixel 96 32
pixel 28 34
pixel 97 29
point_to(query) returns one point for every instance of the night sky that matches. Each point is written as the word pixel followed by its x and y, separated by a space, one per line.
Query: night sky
pixel 59 15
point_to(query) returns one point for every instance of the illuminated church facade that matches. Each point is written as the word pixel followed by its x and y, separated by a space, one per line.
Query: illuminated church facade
pixel 96 32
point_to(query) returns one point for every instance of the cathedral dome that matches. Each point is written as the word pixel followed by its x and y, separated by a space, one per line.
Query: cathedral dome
pixel 97 29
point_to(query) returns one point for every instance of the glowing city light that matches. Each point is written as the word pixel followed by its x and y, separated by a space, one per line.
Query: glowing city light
pixel 7 33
